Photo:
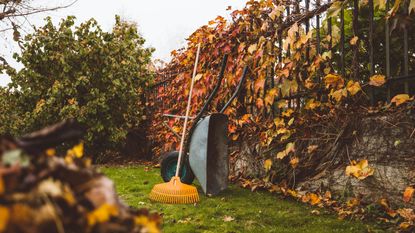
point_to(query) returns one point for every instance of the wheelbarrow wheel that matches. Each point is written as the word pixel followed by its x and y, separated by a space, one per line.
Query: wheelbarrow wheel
pixel 168 168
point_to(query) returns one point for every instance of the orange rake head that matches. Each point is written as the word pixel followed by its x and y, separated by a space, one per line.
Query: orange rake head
pixel 174 192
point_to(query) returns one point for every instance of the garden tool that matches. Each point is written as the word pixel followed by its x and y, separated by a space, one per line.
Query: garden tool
pixel 174 191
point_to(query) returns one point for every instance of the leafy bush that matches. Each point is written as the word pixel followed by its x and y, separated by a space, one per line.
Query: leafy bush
pixel 80 72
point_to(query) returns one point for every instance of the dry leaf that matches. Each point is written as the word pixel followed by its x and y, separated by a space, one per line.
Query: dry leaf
pixel 4 217
pixel 377 80
pixel 407 195
pixel 252 48
pixel 228 218
pixel 400 99
pixel 359 170
pixel 354 40
pixel 281 154
pixel 311 148
pixel 198 77
pixel 333 80
pixel 294 162
pixel 353 87
pixel 267 164
pixel 101 214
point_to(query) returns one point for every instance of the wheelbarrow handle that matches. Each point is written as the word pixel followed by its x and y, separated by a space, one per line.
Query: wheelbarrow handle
pixel 215 90
pixel 238 89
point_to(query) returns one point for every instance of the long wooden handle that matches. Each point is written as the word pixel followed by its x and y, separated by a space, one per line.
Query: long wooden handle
pixel 187 111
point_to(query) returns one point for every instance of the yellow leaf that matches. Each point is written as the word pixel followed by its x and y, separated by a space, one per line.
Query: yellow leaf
pixel 286 136
pixel 333 80
pixel 267 164
pixel 411 6
pixel 176 129
pixel 380 3
pixel 288 112
pixel 400 99
pixel 406 213
pixel 377 80
pixel 281 154
pixel 279 122
pixel 282 131
pixel 312 104
pixel 404 225
pixel 4 217
pixel 269 98
pixel 198 77
pixel 290 147
pixel 252 48
pixel 353 87
pixel 353 202
pixel 354 40
pixel 101 214
pixel 292 193
pixel 285 87
pixel 309 84
pixel 291 121
pixel 78 150
pixel 338 95
pixel 39 105
pixel 407 195
pixel 335 8
pixel 274 13
pixel 359 170
pixel 148 225
pixel 281 104
pixel 51 152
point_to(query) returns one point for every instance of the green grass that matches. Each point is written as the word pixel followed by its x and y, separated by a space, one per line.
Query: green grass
pixel 252 211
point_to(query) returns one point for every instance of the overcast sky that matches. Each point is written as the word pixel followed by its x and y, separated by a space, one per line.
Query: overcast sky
pixel 165 24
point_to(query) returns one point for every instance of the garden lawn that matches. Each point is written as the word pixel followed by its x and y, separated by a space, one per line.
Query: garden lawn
pixel 234 210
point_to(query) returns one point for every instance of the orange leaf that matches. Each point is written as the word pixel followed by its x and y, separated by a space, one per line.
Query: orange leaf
pixel 314 199
pixel 377 80
pixel 359 170
pixel 407 195
pixel 294 162
pixel 354 40
pixel 400 99
pixel 4 218
pixel 353 87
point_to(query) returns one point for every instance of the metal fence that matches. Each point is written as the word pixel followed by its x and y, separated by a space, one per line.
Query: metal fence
pixel 387 45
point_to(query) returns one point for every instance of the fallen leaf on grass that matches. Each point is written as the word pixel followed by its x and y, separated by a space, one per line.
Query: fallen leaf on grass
pixel 228 218
pixel 316 212
pixel 186 220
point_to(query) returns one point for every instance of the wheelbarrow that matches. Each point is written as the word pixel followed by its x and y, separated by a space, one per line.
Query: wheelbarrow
pixel 206 149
